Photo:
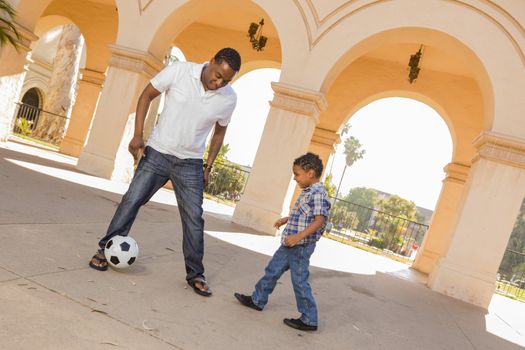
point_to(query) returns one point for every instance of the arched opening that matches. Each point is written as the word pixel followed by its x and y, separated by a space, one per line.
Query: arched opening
pixel 203 27
pixel 385 200
pixel 245 130
pixel 28 112
pixel 233 165
pixel 56 59
pixel 48 20
pixel 235 160
pixel 378 67
pixel 33 98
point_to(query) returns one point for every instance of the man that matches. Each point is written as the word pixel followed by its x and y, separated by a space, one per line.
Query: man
pixel 198 98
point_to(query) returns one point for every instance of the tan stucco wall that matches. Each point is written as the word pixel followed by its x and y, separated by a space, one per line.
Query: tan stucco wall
pixel 97 37
pixel 347 53
pixel 456 98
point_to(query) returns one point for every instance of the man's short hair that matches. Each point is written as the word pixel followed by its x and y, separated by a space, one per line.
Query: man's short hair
pixel 230 56
pixel 310 161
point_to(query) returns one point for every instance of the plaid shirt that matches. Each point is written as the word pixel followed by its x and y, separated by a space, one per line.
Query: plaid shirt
pixel 312 201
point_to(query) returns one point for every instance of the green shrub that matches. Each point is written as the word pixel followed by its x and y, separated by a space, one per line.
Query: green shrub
pixel 24 126
pixel 377 242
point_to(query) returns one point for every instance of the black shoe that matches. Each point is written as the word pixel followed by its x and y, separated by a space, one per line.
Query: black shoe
pixel 298 324
pixel 246 300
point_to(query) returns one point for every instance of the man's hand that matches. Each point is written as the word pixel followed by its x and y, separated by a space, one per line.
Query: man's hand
pixel 280 222
pixel 292 240
pixel 136 148
pixel 207 172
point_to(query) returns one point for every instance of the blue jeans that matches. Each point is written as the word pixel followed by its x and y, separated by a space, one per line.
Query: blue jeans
pixel 297 259
pixel 186 175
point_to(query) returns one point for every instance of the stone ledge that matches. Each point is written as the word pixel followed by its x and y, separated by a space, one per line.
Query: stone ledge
pixel 134 60
pixel 500 148
pixel 302 101
pixel 456 172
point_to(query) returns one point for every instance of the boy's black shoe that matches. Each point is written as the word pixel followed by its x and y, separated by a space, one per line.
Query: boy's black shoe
pixel 246 300
pixel 298 324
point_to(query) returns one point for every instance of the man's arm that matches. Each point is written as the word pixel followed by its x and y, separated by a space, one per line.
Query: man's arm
pixel 136 145
pixel 215 146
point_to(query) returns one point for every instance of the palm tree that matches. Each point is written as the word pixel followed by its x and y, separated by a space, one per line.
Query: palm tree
pixel 8 32
pixel 353 153
pixel 344 131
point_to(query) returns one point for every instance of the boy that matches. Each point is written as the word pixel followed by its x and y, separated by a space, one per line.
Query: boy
pixel 305 226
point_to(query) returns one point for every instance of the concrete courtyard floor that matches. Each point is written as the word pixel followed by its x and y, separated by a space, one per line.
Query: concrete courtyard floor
pixel 51 217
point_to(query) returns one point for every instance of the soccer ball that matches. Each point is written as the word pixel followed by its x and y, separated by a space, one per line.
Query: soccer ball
pixel 121 251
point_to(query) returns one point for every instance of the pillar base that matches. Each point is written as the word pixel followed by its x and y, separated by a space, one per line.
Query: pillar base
pixel 460 283
pixel 96 165
pixel 71 147
pixel 249 213
pixel 426 261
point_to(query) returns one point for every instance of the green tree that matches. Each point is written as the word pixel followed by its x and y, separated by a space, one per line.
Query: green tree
pixel 344 131
pixel 392 221
pixel 363 201
pixel 329 186
pixel 353 152
pixel 363 196
pixel 397 206
pixel 341 216
pixel 511 261
pixel 227 178
pixel 221 156
pixel 8 32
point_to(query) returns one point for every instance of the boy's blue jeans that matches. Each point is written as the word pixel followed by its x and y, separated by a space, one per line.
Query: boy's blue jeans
pixel 297 259
pixel 186 175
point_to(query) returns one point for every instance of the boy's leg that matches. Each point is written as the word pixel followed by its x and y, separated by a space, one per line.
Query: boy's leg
pixel 299 270
pixel 273 271
pixel 188 183
pixel 150 176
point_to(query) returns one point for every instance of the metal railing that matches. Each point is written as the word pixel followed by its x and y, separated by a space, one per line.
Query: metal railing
pixel 35 123
pixel 227 181
pixel 368 226
pixel 510 280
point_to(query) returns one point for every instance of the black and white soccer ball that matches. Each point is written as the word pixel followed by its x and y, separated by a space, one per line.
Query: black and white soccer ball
pixel 121 251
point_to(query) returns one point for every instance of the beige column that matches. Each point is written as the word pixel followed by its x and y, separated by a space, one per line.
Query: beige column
pixel 287 134
pixel 89 87
pixel 490 203
pixel 12 73
pixel 105 153
pixel 323 144
pixel 439 234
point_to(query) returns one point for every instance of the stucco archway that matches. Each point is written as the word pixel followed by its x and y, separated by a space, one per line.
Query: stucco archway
pixel 366 44
pixel 198 29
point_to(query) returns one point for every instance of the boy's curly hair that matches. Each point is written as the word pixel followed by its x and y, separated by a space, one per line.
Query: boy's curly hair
pixel 310 161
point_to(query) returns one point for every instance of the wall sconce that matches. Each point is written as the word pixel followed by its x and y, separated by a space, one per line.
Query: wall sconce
pixel 255 34
pixel 414 65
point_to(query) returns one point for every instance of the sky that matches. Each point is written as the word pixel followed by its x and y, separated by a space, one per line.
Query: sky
pixel 245 129
pixel 407 143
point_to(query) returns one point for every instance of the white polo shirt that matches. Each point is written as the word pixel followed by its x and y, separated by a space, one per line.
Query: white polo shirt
pixel 189 111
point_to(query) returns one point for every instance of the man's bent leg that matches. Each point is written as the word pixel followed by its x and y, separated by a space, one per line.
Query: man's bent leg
pixel 150 176
pixel 188 183
pixel 275 269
